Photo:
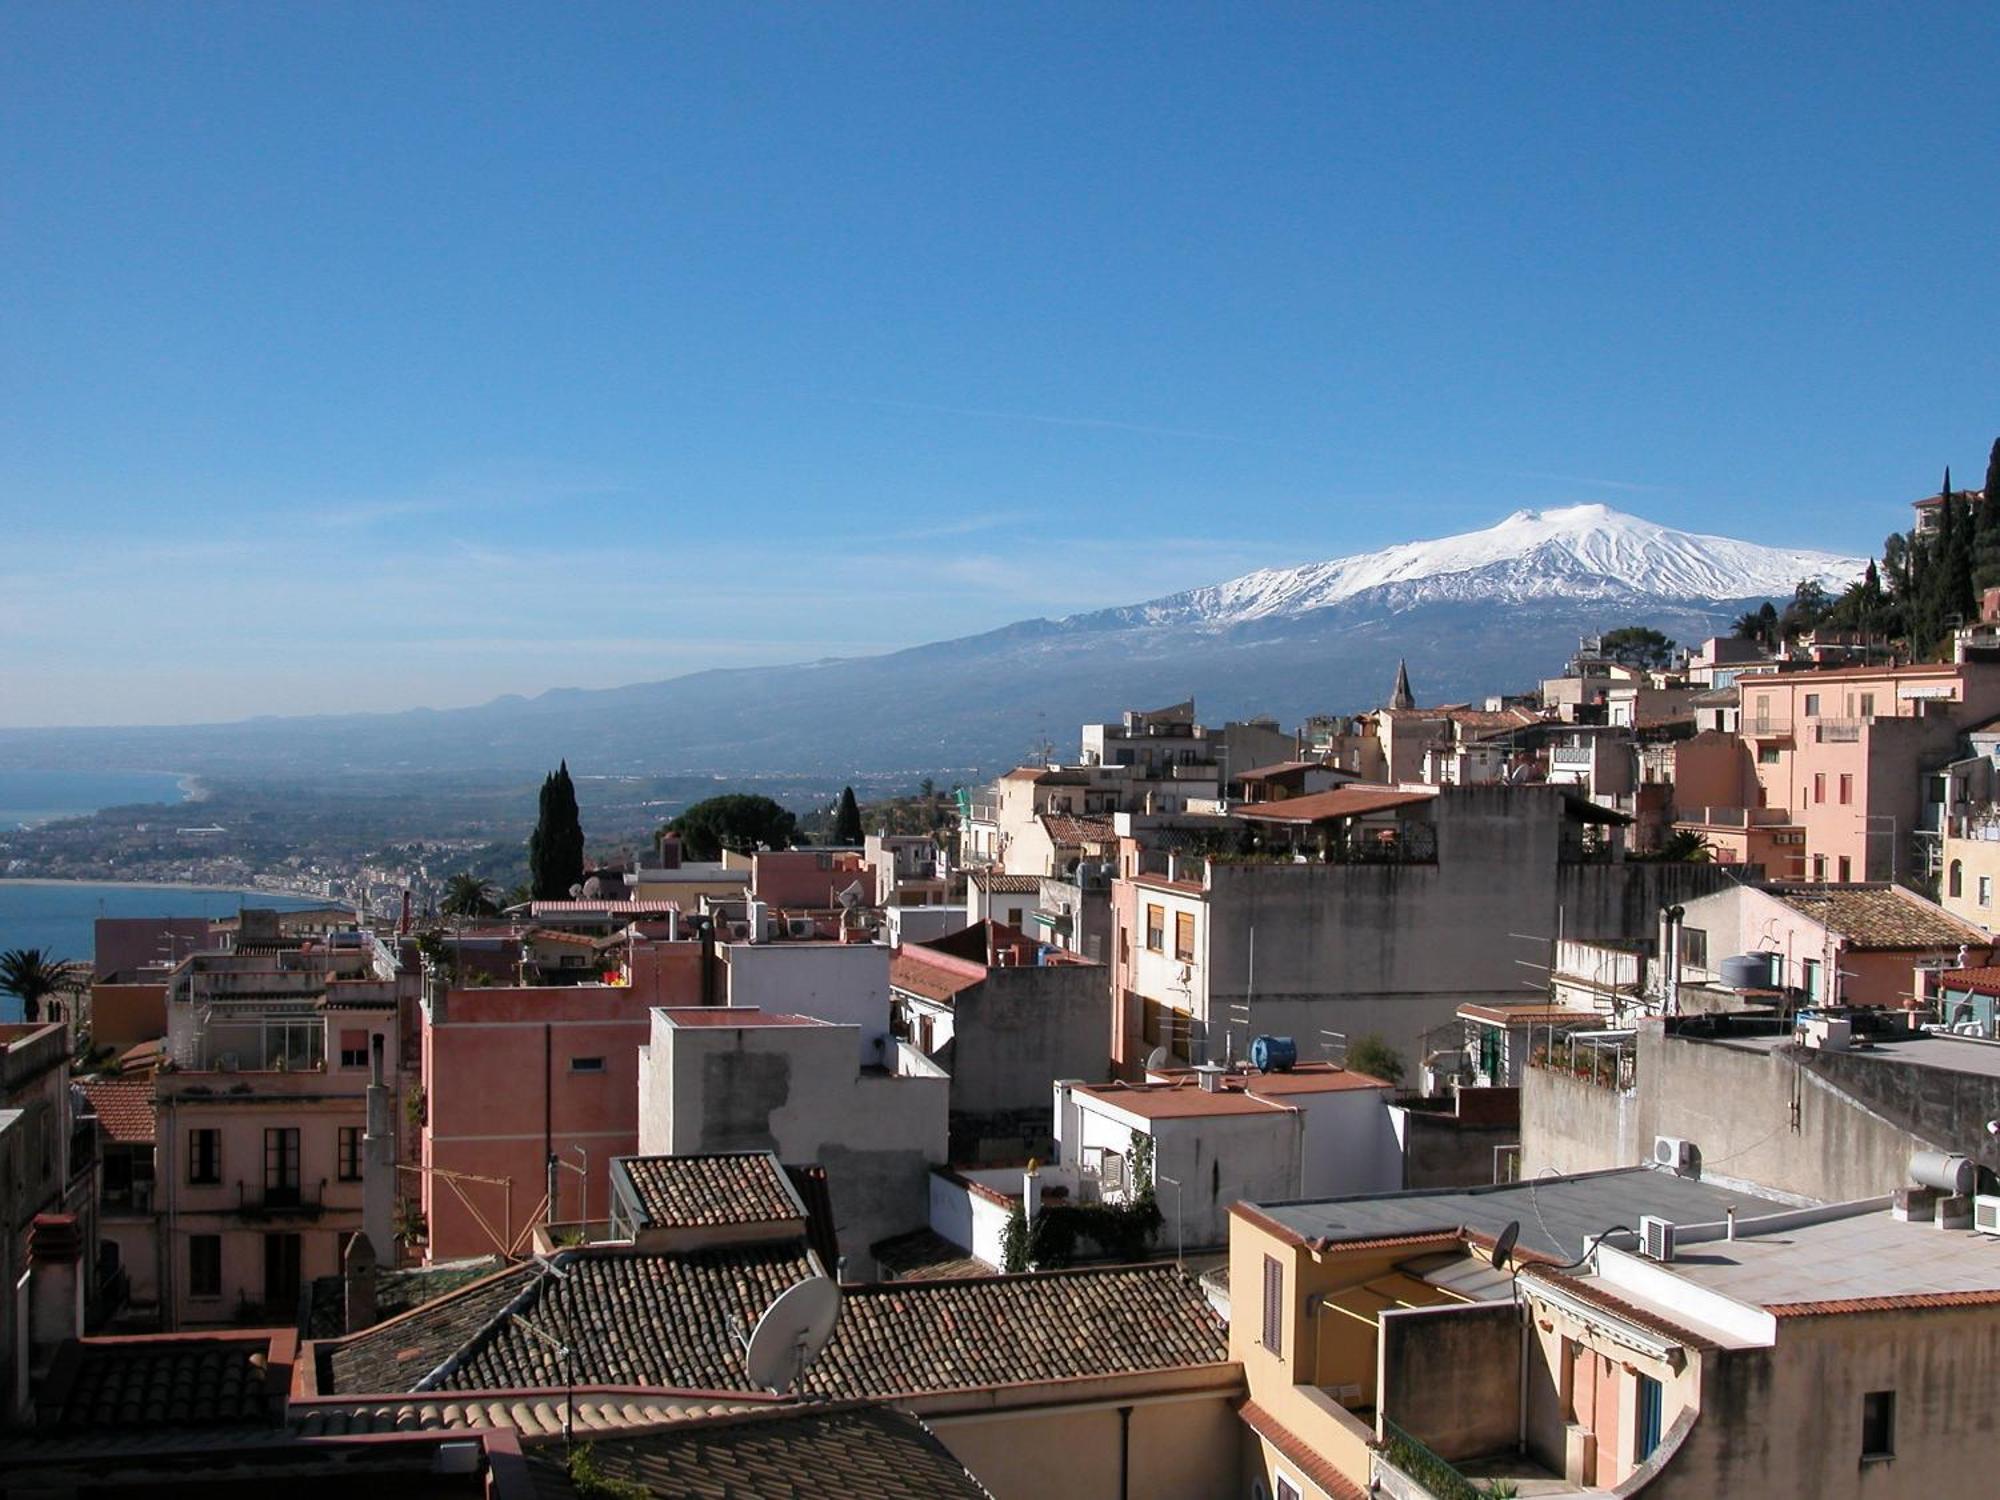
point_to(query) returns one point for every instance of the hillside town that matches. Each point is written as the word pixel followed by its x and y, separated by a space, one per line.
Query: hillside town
pixel 1593 1089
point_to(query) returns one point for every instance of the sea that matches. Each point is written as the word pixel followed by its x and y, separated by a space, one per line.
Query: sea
pixel 59 916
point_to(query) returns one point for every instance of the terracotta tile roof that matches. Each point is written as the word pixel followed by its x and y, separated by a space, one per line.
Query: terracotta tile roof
pixel 397 1291
pixel 664 1321
pixel 1287 767
pixel 1985 980
pixel 1338 802
pixel 1300 1454
pixel 1594 1293
pixel 907 972
pixel 1182 1096
pixel 124 1108
pixel 610 906
pixel 733 1015
pixel 926 1255
pixel 598 1409
pixel 1880 916
pixel 1907 1302
pixel 1068 832
pixel 729 1187
pixel 828 1453
pixel 1938 499
pixel 1013 885
pixel 171 1380
pixel 396 1354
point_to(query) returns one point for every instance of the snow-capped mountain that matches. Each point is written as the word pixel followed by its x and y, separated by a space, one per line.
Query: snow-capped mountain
pixel 1586 552
pixel 1486 612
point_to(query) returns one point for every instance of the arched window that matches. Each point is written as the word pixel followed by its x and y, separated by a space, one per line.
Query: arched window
pixel 1957 885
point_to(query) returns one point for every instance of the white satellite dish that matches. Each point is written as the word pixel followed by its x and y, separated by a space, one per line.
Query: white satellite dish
pixel 791 1334
pixel 852 896
pixel 1159 1057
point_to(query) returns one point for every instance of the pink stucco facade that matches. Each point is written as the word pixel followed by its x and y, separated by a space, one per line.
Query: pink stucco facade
pixel 808 879
pixel 512 1075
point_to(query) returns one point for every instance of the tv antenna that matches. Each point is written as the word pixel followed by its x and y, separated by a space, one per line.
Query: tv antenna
pixel 791 1334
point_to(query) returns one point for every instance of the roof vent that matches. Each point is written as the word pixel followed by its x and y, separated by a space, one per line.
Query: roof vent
pixel 1656 1238
pixel 1209 1077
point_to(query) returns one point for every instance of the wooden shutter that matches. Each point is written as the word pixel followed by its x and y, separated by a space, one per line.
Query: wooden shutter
pixel 1274 1305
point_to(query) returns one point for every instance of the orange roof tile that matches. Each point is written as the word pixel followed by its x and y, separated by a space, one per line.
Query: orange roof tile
pixel 124 1108
pixel 1339 802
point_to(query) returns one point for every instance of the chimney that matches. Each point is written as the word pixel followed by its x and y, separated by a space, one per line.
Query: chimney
pixel 378 1156
pixel 1209 1077
pixel 55 1272
pixel 358 1277
pixel 670 850
pixel 1031 1194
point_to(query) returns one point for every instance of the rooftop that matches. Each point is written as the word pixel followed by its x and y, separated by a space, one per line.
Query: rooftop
pixel 1923 1049
pixel 730 1187
pixel 171 1380
pixel 1879 916
pixel 733 1016
pixel 1534 1015
pixel 1179 1095
pixel 124 1108
pixel 908 971
pixel 667 1320
pixel 995 880
pixel 1065 831
pixel 1556 1214
pixel 1339 802
pixel 828 1453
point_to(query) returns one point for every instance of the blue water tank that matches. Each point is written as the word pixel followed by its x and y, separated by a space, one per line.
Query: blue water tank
pixel 1274 1054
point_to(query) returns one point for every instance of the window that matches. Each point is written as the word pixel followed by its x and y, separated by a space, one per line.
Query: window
pixel 1955 879
pixel 354 1049
pixel 204 1265
pixel 1124 944
pixel 1846 788
pixel 1810 969
pixel 204 1157
pixel 1846 869
pixel 281 1165
pixel 1986 890
pixel 1867 705
pixel 1489 1053
pixel 1184 936
pixel 1286 1489
pixel 1819 786
pixel 1878 1425
pixel 1819 867
pixel 1812 705
pixel 586 1065
pixel 1767 755
pixel 1274 1305
pixel 1694 947
pixel 350 1153
pixel 1156 929
pixel 281 1273
pixel 1647 1434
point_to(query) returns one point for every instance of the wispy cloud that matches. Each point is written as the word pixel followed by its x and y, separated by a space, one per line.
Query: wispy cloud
pixel 1049 419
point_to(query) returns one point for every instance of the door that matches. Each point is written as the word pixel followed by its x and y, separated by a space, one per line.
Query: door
pixel 281 1275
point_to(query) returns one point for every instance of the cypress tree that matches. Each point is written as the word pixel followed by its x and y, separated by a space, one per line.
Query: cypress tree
pixel 555 851
pixel 847 821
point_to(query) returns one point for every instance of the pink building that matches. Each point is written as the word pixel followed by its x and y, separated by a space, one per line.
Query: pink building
pixel 515 1075
pixel 1831 784
pixel 808 879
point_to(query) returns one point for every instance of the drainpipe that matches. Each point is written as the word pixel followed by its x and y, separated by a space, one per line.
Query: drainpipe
pixel 548 1115
pixel 1124 1452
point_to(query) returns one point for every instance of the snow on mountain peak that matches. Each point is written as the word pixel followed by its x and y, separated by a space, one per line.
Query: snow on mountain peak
pixel 1568 552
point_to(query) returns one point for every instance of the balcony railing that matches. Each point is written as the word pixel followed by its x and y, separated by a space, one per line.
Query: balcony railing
pixel 1417 1470
pixel 1838 731
pixel 282 1201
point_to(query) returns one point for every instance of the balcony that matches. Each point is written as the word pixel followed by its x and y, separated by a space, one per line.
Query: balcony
pixel 282 1201
pixel 1767 726
pixel 1838 731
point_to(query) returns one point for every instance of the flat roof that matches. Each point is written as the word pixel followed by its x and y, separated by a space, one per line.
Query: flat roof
pixel 1352 801
pixel 734 1015
pixel 1868 1255
pixel 1556 1214
pixel 1923 1049
pixel 1180 1094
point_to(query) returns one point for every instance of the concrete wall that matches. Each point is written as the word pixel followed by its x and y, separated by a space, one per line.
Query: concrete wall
pixel 1024 1027
pixel 1180 1449
pixel 1451 1376
pixel 1448 1150
pixel 846 983
pixel 919 924
pixel 1568 1125
pixel 123 1015
pixel 796 1090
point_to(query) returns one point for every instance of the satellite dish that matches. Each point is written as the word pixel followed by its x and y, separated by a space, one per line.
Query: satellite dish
pixel 1504 1246
pixel 851 897
pixel 1159 1057
pixel 791 1334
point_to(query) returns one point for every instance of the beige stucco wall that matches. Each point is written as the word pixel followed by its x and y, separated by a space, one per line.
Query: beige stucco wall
pixel 1184 1448
pixel 1974 857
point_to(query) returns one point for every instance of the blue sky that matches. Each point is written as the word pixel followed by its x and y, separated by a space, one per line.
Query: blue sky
pixel 368 356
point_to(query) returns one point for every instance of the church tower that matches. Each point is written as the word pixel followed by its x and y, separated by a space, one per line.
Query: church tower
pixel 1401 697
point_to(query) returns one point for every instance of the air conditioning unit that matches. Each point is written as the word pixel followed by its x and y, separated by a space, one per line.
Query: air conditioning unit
pixel 801 927
pixel 226 1063
pixel 1986 1213
pixel 1656 1238
pixel 1680 1157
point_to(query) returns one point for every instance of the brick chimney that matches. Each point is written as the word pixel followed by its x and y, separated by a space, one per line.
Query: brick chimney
pixel 670 850
pixel 358 1284
pixel 55 1286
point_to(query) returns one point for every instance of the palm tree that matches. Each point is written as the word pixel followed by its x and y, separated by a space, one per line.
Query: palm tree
pixel 466 895
pixel 32 976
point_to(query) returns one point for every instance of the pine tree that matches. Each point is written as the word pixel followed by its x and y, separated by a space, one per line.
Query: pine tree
pixel 847 821
pixel 555 851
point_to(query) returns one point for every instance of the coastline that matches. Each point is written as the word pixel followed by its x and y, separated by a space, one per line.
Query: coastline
pixel 166 885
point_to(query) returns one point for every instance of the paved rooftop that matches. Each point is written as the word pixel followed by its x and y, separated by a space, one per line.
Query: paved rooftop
pixel 1556 1214
pixel 1924 1049
pixel 1870 1255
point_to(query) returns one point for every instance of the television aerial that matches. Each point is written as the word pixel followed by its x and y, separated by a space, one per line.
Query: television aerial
pixel 791 1334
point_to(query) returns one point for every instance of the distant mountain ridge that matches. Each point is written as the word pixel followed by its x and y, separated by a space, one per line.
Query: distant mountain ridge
pixel 1480 612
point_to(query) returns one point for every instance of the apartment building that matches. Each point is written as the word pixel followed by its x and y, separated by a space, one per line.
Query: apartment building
pixel 1368 909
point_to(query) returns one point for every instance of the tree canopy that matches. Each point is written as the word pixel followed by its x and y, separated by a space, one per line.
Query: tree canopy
pixel 739 821
pixel 466 895
pixel 33 975
pixel 847 821
pixel 1637 646
pixel 555 850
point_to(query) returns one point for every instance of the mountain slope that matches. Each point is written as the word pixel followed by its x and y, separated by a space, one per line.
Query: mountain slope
pixel 1482 612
